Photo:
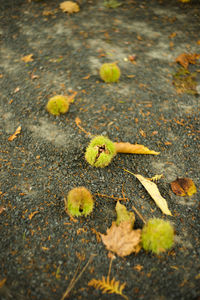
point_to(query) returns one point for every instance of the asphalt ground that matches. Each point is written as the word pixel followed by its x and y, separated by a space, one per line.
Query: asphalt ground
pixel 41 246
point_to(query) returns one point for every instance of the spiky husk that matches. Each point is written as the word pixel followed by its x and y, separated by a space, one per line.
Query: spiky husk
pixel 79 202
pixel 109 72
pixel 102 159
pixel 157 235
pixel 57 105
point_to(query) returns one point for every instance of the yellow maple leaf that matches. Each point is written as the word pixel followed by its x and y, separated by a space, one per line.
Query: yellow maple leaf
pixel 69 7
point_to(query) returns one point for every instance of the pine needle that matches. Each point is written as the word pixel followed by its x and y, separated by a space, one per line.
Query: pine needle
pixel 108 286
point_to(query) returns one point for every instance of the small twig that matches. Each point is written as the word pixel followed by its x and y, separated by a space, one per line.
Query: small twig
pixel 78 123
pixel 110 265
pixel 74 281
pixel 112 197
pixel 139 214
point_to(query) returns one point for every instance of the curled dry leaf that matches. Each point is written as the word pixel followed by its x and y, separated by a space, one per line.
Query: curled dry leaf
pixel 153 191
pixel 133 149
pixel 122 239
pixel 184 59
pixel 69 7
pixel 14 135
pixel 183 187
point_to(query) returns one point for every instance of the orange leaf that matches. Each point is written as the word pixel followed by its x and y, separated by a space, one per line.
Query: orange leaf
pixel 172 35
pixel 86 77
pixel 2 209
pixel 69 7
pixel 27 58
pixel 133 149
pixel 33 214
pixel 2 282
pixel 14 135
pixel 122 239
pixel 183 186
pixel 45 248
pixel 185 59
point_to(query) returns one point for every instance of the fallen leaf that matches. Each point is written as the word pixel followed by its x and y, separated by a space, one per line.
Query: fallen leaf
pixel 122 239
pixel 2 282
pixel 185 81
pixel 183 187
pixel 69 7
pixel 45 248
pixel 14 135
pixel 133 149
pixel 142 133
pixel 123 215
pixel 198 42
pixel 172 35
pixel 153 191
pixel 16 90
pixel 47 13
pixel 86 77
pixel 138 268
pixel 2 209
pixel 184 1
pixel 130 76
pixel 33 76
pixel 132 57
pixel 33 214
pixel 185 59
pixel 27 58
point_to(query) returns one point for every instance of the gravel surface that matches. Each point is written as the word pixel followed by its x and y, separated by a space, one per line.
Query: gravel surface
pixel 41 246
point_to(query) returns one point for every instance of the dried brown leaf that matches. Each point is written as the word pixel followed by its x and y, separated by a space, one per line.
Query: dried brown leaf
pixel 122 239
pixel 133 149
pixel 184 59
pixel 2 282
pixel 183 187
pixel 69 7
pixel 14 135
